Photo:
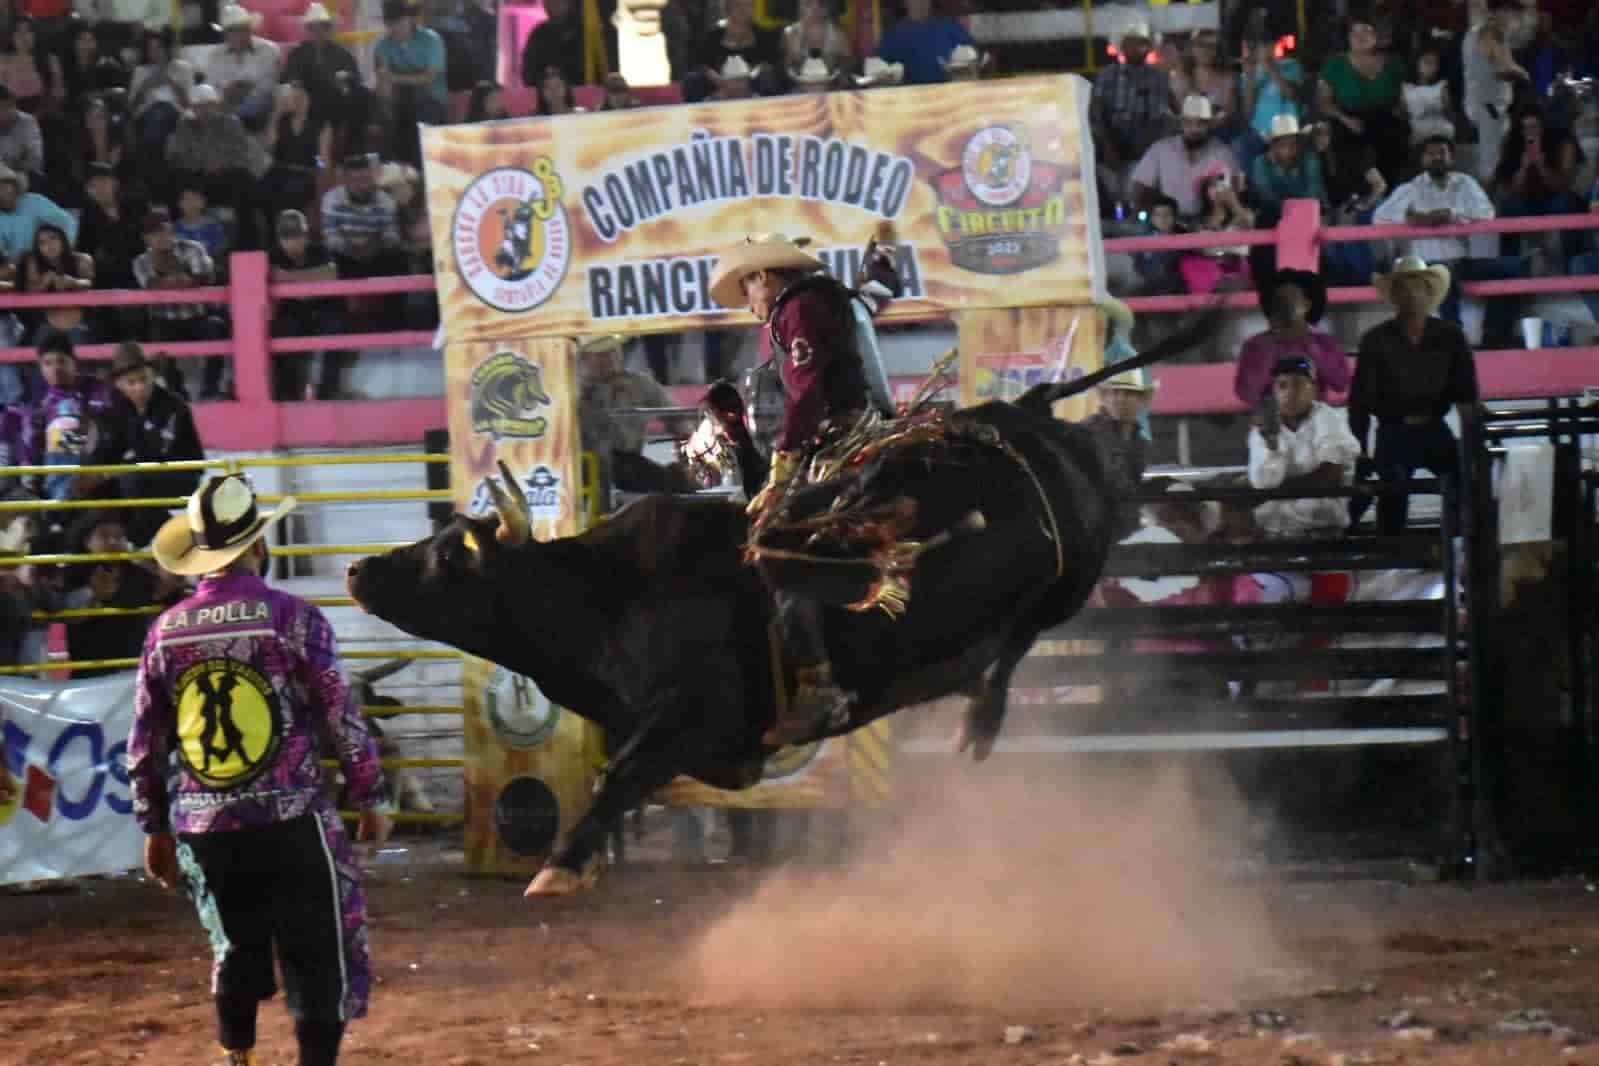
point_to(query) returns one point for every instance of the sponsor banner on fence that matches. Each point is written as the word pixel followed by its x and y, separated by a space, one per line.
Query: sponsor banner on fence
pixel 71 812
pixel 529 763
pixel 612 221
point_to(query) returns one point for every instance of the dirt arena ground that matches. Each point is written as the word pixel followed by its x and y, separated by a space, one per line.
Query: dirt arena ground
pixel 1018 932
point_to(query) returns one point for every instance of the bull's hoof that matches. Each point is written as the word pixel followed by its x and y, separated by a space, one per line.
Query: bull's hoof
pixel 556 881
pixel 978 741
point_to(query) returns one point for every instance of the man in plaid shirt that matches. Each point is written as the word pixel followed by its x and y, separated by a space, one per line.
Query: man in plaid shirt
pixel 1130 107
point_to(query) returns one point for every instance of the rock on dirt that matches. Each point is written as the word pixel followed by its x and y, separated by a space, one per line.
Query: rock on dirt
pixel 1019 1034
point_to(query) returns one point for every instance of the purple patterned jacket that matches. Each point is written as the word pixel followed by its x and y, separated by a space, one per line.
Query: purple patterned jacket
pixel 235 681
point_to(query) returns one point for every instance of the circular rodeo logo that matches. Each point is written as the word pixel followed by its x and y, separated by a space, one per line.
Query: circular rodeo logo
pixel 520 715
pixel 512 239
pixel 997 165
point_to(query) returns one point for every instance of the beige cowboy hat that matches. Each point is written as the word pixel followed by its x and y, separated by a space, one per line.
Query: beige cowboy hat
pixel 1137 28
pixel 1410 266
pixel 1285 126
pixel 19 180
pixel 814 71
pixel 1129 381
pixel 235 17
pixel 963 57
pixel 316 15
pixel 770 252
pixel 605 342
pixel 219 524
pixel 876 72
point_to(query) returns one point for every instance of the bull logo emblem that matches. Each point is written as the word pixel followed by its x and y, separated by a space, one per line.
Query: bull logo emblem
pixel 515 259
pixel 997 165
pixel 507 392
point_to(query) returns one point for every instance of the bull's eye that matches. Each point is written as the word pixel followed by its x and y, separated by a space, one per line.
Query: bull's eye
pixel 469 539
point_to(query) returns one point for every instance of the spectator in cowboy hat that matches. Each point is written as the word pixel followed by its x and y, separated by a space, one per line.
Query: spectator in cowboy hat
pixel 1129 109
pixel 922 41
pixel 813 76
pixel 331 78
pixel 736 34
pixel 1309 446
pixel 1173 165
pixel 1294 301
pixel 1286 171
pixel 966 63
pixel 145 423
pixel 1123 401
pixel 608 390
pixel 875 73
pixel 244 68
pixel 733 80
pixel 1412 369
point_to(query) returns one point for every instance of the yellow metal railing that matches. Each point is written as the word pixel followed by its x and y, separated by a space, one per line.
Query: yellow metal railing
pixel 65 665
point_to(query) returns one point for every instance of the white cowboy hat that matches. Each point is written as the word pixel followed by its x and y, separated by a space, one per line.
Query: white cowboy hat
pixel 235 17
pixel 219 524
pixel 1284 126
pixel 1197 106
pixel 733 69
pixel 963 57
pixel 1130 381
pixel 1137 28
pixel 204 93
pixel 316 15
pixel 19 180
pixel 814 71
pixel 876 72
pixel 1155 589
pixel 771 252
pixel 1410 266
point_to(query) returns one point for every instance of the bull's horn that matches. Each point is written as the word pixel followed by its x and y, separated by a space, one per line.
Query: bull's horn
pixel 514 529
pixel 514 487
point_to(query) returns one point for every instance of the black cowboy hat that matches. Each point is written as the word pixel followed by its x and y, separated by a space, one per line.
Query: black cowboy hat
pixel 1310 283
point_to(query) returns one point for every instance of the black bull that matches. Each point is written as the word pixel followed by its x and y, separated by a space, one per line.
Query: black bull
pixel 652 626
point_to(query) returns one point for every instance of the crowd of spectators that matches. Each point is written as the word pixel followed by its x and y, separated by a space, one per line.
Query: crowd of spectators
pixel 1474 111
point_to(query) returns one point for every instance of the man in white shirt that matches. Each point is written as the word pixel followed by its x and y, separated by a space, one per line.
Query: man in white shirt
pixel 1443 196
pixel 243 68
pixel 1311 448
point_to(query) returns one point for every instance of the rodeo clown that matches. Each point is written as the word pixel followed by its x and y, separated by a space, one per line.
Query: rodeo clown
pixel 236 681
pixel 825 351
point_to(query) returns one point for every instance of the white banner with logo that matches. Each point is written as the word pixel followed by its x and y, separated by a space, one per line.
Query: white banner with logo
pixel 71 809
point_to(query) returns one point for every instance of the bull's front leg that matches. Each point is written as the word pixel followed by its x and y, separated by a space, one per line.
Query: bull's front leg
pixel 695 728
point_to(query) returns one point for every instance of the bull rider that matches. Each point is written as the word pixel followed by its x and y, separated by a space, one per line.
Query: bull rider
pixel 816 342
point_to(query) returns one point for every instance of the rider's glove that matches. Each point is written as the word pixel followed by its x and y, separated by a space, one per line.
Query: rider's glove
pixel 784 466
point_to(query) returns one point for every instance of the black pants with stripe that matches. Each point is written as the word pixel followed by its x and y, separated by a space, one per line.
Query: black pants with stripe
pixel 262 890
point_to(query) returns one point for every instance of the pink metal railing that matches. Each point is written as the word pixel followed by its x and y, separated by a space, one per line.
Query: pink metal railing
pixel 253 421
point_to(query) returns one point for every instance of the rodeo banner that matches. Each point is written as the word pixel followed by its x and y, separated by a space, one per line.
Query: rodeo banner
pixel 70 813
pixel 611 221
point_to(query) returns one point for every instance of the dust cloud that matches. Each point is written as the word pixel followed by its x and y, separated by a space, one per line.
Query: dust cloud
pixel 1054 885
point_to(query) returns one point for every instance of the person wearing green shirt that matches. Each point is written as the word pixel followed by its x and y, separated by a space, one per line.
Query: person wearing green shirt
pixel 1286 171
pixel 1361 93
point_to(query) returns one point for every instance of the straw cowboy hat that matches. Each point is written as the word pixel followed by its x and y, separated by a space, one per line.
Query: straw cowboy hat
pixel 316 15
pixel 1309 283
pixel 964 57
pixel 733 69
pixel 1285 126
pixel 1410 266
pixel 220 523
pixel 770 252
pixel 1138 29
pixel 814 71
pixel 235 17
pixel 876 72
pixel 1129 381
pixel 1197 106
pixel 605 342
pixel 204 93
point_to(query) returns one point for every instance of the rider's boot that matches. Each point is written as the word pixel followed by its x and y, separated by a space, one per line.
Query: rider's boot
pixel 818 705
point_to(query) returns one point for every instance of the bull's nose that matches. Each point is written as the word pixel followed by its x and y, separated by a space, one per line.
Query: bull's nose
pixel 355 568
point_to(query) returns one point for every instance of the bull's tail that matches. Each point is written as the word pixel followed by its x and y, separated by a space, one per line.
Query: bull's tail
pixel 1196 331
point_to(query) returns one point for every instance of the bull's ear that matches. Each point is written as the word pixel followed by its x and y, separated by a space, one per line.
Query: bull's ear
pixel 470 541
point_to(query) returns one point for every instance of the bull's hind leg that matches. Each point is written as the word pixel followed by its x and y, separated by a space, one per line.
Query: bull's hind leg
pixel 985 714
